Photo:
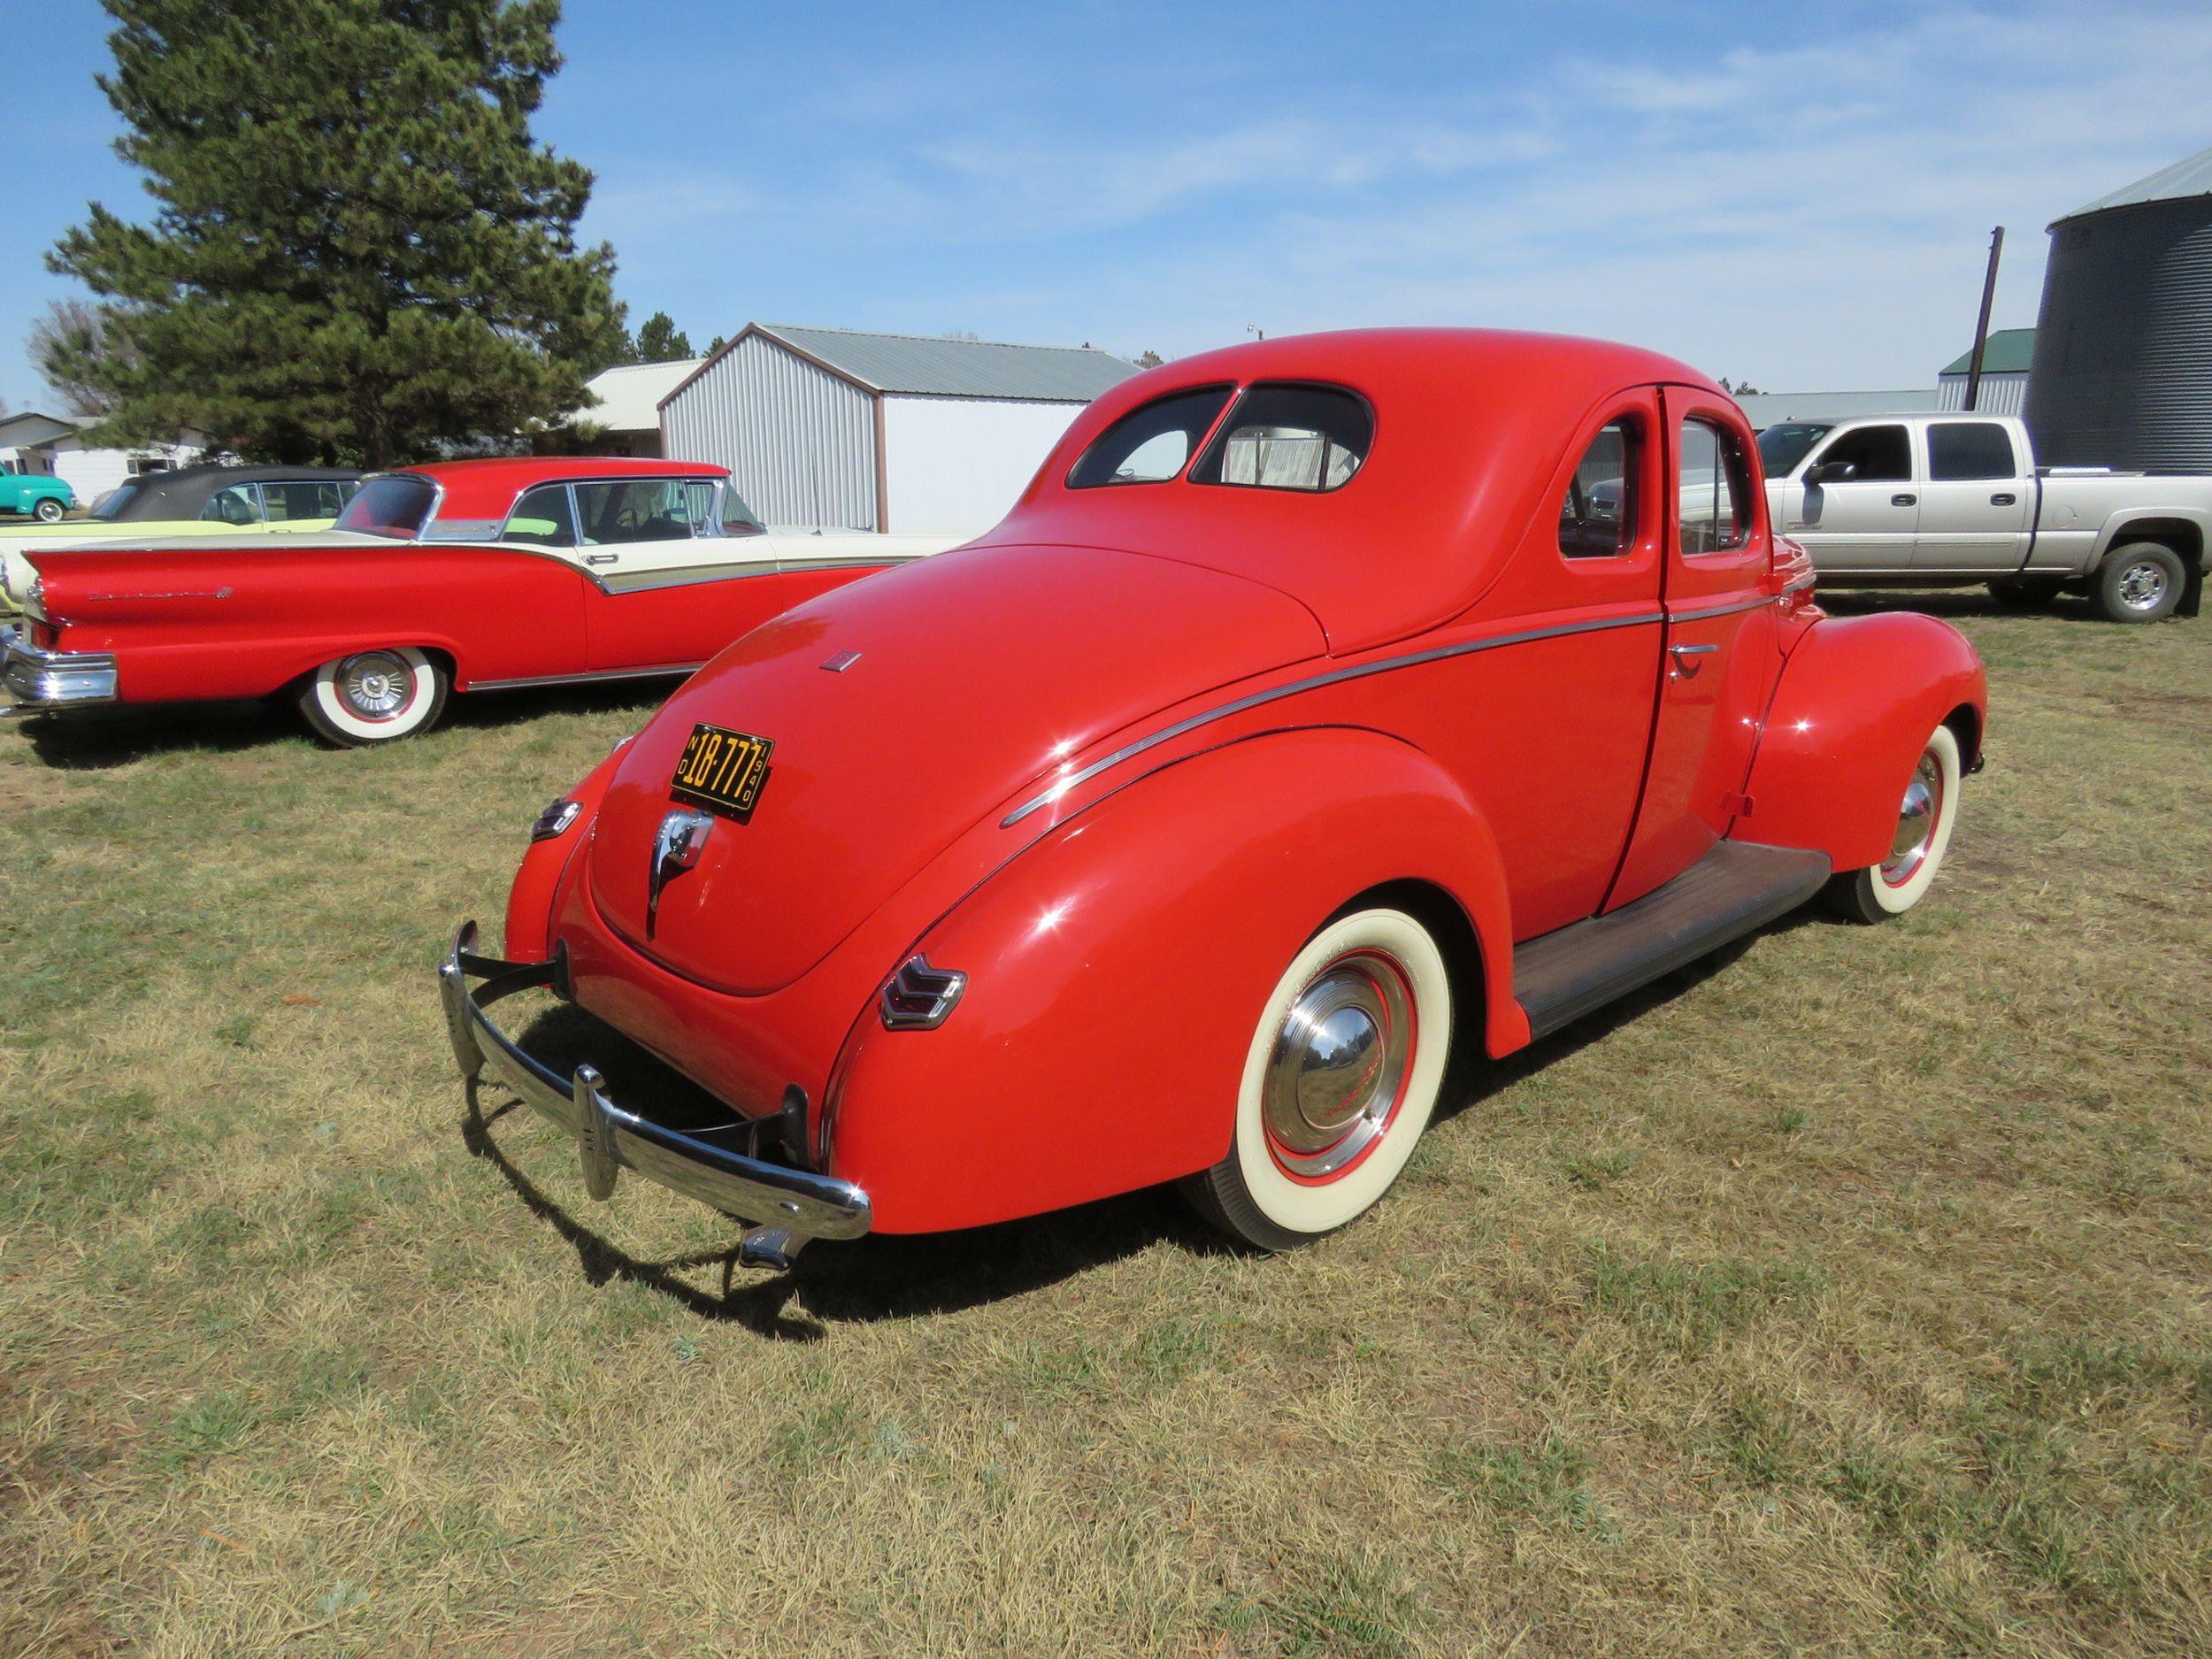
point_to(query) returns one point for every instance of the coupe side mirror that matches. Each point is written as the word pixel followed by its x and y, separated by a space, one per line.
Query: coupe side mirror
pixel 1831 472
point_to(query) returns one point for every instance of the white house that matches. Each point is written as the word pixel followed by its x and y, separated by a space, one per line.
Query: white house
pixel 32 443
pixel 835 428
pixel 627 407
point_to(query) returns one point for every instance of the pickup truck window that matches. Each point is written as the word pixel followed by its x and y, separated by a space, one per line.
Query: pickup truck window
pixel 1781 447
pixel 1882 454
pixel 1150 444
pixel 1311 438
pixel 1712 492
pixel 1970 448
pixel 1597 517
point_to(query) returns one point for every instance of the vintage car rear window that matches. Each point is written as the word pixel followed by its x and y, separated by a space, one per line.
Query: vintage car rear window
pixel 1152 443
pixel 389 506
pixel 1283 436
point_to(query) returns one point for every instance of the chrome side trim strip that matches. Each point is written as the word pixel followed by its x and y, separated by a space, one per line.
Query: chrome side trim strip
pixel 667 671
pixel 869 564
pixel 620 582
pixel 1721 611
pixel 1191 723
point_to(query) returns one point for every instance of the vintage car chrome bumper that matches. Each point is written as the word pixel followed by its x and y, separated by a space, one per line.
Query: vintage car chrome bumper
pixel 53 679
pixel 787 1206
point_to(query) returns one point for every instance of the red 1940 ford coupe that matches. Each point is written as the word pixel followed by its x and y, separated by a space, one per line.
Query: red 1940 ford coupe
pixel 1312 707
pixel 460 575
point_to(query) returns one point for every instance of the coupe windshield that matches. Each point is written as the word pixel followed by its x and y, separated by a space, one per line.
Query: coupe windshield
pixel 1781 447
pixel 397 506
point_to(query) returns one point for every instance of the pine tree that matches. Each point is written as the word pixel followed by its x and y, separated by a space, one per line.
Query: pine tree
pixel 357 250
pixel 659 341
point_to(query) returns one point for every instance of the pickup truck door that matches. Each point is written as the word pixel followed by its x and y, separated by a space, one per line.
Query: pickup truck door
pixel 1976 498
pixel 1868 522
pixel 1723 648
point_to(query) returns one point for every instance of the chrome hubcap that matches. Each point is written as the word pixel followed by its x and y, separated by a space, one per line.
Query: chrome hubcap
pixel 1339 1065
pixel 375 685
pixel 2142 587
pixel 1915 822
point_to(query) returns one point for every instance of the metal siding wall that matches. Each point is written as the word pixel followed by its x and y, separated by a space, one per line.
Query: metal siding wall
pixel 2001 394
pixel 2124 346
pixel 800 443
pixel 957 464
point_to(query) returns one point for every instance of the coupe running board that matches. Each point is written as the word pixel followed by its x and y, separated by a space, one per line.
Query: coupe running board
pixel 1735 889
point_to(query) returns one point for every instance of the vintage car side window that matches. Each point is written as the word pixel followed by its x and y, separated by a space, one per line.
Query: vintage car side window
pixel 542 518
pixel 1312 438
pixel 232 504
pixel 1712 493
pixel 634 509
pixel 1882 454
pixel 301 499
pixel 1149 444
pixel 1970 448
pixel 737 518
pixel 1597 515
pixel 398 505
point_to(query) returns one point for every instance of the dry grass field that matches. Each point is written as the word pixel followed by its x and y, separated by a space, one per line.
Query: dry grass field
pixel 1852 1297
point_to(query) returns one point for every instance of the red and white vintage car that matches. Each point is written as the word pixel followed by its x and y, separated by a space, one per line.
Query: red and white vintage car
pixel 460 576
pixel 1303 716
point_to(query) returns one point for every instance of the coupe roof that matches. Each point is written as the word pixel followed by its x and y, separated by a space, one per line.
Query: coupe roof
pixel 184 492
pixel 487 488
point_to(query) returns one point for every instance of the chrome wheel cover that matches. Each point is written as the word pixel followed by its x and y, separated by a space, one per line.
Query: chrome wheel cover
pixel 1917 816
pixel 1339 1065
pixel 2142 585
pixel 375 686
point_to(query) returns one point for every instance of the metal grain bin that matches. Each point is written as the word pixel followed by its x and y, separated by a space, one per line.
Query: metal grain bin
pixel 2123 371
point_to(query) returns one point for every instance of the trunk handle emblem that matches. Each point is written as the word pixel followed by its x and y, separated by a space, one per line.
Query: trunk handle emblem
pixel 677 845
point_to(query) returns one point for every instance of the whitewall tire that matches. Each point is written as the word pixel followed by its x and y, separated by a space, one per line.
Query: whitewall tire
pixel 1925 818
pixel 1342 1073
pixel 375 696
pixel 49 511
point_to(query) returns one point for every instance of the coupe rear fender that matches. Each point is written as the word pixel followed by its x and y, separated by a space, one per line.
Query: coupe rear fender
pixel 1116 971
pixel 1856 700
pixel 528 936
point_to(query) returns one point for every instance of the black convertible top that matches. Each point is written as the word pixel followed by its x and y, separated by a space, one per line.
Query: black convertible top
pixel 184 492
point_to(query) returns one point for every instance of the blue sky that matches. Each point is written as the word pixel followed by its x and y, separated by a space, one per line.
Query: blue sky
pixel 1800 194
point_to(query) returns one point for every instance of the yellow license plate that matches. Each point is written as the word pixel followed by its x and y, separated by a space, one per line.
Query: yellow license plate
pixel 722 769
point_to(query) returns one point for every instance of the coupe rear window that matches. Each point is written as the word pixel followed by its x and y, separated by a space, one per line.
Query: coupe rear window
pixel 389 506
pixel 1311 438
pixel 1151 444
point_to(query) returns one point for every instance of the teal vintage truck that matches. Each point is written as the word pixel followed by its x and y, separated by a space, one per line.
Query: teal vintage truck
pixel 38 496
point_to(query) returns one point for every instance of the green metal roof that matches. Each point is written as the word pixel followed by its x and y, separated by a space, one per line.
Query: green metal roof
pixel 2009 351
pixel 2190 176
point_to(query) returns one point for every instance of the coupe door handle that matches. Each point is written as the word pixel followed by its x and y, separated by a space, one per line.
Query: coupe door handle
pixel 601 558
pixel 1685 664
pixel 2006 500
pixel 1693 650
pixel 1903 501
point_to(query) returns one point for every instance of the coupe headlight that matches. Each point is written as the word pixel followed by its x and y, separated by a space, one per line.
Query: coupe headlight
pixel 554 820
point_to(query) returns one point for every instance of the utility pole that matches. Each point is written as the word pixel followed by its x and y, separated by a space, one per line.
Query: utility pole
pixel 1981 327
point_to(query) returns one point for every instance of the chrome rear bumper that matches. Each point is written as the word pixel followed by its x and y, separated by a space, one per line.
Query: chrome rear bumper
pixel 41 680
pixel 787 1206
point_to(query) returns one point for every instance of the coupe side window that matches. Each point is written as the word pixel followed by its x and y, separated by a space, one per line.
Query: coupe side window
pixel 1310 438
pixel 1970 448
pixel 303 499
pixel 1597 515
pixel 636 509
pixel 1712 490
pixel 542 518
pixel 234 504
pixel 1882 454
pixel 1151 444
pixel 737 518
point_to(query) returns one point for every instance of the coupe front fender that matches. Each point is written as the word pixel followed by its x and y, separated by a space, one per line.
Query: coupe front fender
pixel 1116 969
pixel 1856 700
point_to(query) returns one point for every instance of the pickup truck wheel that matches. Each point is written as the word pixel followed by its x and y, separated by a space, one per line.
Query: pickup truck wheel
pixel 2024 592
pixel 377 697
pixel 1343 1071
pixel 49 511
pixel 1924 819
pixel 2141 582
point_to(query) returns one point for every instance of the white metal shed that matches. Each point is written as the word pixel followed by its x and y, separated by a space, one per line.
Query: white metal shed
pixel 840 429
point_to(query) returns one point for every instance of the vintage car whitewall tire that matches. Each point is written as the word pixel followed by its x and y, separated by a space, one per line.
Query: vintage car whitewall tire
pixel 1343 1072
pixel 375 696
pixel 49 511
pixel 1925 818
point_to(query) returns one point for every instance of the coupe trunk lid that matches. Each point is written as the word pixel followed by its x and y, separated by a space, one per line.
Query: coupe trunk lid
pixel 965 677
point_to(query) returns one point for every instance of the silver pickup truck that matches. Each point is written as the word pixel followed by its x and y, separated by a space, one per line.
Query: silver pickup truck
pixel 1933 501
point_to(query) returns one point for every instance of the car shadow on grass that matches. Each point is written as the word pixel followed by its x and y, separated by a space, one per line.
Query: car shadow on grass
pixel 860 1281
pixel 880 1277
pixel 1956 604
